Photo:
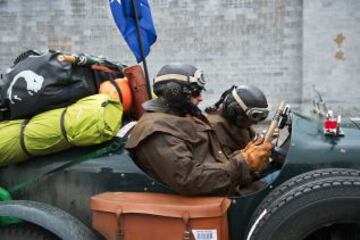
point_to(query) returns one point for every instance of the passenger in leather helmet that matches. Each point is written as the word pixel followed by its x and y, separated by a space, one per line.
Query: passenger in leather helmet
pixel 174 142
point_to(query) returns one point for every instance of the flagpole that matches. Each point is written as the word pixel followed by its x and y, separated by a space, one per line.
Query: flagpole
pixel 141 48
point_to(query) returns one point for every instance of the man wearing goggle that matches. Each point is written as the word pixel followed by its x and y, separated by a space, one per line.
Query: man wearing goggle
pixel 257 98
pixel 189 96
pixel 232 117
pixel 181 91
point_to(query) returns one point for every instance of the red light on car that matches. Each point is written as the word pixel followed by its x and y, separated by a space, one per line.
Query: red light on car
pixel 330 124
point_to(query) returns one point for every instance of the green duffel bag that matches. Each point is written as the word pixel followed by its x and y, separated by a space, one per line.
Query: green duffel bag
pixel 91 120
pixel 10 148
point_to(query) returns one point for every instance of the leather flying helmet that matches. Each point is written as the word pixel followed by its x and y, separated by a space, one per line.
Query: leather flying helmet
pixel 176 83
pixel 246 100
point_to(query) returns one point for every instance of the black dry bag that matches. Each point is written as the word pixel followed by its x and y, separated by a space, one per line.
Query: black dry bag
pixel 38 82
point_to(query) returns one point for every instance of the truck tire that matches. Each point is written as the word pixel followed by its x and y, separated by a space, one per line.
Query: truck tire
pixel 322 204
pixel 26 231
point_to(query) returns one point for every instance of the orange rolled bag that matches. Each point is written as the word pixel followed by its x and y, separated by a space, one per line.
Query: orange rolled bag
pixel 119 91
pixel 131 91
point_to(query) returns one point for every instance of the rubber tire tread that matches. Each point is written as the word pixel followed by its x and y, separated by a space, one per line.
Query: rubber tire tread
pixel 299 180
pixel 26 231
pixel 299 188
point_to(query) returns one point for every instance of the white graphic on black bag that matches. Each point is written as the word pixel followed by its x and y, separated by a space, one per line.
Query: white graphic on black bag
pixel 33 84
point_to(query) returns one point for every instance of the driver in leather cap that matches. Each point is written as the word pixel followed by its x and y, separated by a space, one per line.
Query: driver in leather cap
pixel 233 115
pixel 174 143
pixel 232 118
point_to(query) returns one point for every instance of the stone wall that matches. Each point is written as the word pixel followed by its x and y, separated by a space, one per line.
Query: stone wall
pixel 256 42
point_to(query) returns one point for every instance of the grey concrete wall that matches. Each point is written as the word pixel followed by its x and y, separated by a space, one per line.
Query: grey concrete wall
pixel 331 58
pixel 282 46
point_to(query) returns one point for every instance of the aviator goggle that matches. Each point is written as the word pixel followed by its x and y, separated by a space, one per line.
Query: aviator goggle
pixel 198 78
pixel 254 114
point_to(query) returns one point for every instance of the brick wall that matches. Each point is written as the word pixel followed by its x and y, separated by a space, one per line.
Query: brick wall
pixel 256 42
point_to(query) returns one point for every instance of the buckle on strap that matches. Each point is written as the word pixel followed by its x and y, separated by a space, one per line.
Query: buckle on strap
pixel 187 232
pixel 187 235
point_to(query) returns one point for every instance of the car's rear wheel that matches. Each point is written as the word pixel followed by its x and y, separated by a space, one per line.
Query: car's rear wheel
pixel 323 204
pixel 25 231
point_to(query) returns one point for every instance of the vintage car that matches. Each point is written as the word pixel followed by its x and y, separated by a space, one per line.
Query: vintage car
pixel 316 195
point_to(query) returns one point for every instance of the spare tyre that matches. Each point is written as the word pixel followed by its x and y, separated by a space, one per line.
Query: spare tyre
pixel 322 204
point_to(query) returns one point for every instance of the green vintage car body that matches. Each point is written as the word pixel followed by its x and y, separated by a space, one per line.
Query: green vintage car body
pixel 309 149
pixel 70 189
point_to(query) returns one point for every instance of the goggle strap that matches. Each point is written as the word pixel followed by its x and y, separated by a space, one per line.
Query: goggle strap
pixel 239 100
pixel 177 77
pixel 223 96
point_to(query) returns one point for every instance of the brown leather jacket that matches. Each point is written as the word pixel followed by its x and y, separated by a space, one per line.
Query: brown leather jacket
pixel 184 153
pixel 230 136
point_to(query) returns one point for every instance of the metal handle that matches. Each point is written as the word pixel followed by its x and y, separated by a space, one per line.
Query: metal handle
pixel 274 122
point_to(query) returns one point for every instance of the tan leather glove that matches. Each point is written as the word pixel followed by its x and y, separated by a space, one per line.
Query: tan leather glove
pixel 256 154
